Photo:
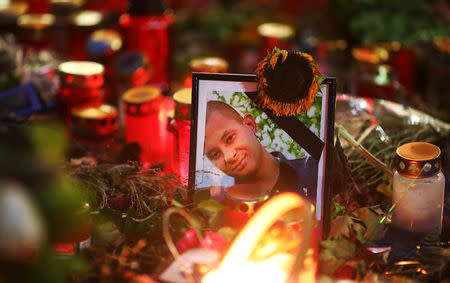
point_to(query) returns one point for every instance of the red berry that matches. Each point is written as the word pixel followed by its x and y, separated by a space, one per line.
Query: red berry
pixel 214 241
pixel 183 245
pixel 191 236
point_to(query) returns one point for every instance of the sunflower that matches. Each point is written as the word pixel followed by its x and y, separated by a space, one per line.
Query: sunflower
pixel 287 82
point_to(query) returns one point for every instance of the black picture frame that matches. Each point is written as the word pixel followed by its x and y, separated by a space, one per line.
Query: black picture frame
pixel 204 83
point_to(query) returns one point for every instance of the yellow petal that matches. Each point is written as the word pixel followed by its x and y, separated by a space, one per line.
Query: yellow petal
pixel 273 60
pixel 285 54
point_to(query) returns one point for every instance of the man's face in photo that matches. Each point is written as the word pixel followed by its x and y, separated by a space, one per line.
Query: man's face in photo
pixel 231 144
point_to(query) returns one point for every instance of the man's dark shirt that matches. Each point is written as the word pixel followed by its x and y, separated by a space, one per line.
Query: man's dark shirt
pixel 298 176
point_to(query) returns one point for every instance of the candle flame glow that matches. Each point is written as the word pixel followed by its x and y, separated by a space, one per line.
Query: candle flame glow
pixel 236 267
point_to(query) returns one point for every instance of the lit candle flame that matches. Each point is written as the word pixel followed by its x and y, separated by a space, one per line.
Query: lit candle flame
pixel 236 267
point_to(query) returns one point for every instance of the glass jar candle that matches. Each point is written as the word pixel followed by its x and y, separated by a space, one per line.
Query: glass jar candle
pixel 102 47
pixel 143 124
pixel 418 189
pixel 275 35
pixel 81 85
pixel 206 65
pixel 36 31
pixel 93 131
pixel 145 28
pixel 371 75
pixel 182 128
pixel 77 236
pixel 81 25
pixel 130 70
pixel 239 210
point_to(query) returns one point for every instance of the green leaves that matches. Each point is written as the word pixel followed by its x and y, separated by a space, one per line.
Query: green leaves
pixel 213 211
pixel 384 21
pixel 370 217
pixel 334 253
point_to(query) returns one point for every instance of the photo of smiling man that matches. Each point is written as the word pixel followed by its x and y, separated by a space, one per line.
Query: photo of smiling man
pixel 232 145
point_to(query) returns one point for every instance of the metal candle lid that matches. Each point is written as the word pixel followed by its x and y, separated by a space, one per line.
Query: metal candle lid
pixel 86 18
pixel 209 65
pixel 65 6
pixel 84 74
pixel 104 42
pixel 182 100
pixel 36 22
pixel 276 30
pixel 373 56
pixel 418 160
pixel 95 121
pixel 13 8
pixel 141 101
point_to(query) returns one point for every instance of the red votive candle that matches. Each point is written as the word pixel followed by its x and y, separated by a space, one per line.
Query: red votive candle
pixel 36 30
pixel 110 6
pixel 143 124
pixel 182 128
pixel 275 35
pixel 102 47
pixel 9 12
pixel 145 28
pixel 81 85
pixel 373 78
pixel 82 24
pixel 131 70
pixel 38 6
pixel 238 211
pixel 93 129
pixel 206 65
pixel 77 236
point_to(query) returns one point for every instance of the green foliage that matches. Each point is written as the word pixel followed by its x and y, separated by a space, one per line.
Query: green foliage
pixel 214 213
pixel 408 21
pixel 270 135
pixel 32 156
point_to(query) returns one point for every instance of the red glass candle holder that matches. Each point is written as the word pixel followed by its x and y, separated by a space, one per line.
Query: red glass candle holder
pixel 38 6
pixel 239 211
pixel 77 236
pixel 275 35
pixel 36 30
pixel 148 33
pixel 81 86
pixel 102 47
pixel 182 129
pixel 9 13
pixel 206 65
pixel 130 70
pixel 93 129
pixel 81 25
pixel 144 124
pixel 372 78
pixel 115 6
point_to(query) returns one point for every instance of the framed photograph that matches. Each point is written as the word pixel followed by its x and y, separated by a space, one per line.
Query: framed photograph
pixel 235 143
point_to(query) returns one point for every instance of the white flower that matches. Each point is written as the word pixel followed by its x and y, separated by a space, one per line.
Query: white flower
pixel 312 112
pixel 257 119
pixel 278 132
pixel 285 137
pixel 288 155
pixel 276 143
pixel 265 139
pixel 266 128
pixel 314 129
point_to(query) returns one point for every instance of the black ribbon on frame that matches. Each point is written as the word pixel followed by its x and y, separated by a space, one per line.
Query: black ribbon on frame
pixel 296 130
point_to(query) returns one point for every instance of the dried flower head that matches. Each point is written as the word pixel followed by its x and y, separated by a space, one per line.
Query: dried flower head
pixel 287 82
